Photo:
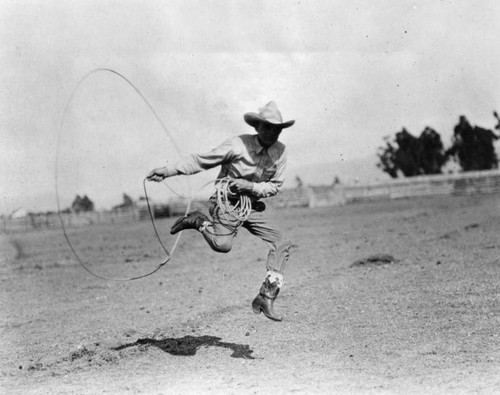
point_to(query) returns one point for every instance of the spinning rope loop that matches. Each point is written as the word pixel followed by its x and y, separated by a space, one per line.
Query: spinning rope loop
pixel 63 226
pixel 233 207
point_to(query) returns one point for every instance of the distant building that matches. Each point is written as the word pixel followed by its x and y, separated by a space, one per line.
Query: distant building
pixel 19 213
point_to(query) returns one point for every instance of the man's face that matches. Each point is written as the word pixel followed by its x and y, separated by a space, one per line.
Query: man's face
pixel 268 133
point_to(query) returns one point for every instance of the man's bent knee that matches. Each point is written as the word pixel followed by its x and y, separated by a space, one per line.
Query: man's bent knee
pixel 222 245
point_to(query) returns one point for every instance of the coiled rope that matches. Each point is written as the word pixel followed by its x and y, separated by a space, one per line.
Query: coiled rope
pixel 240 211
pixel 168 254
pixel 235 208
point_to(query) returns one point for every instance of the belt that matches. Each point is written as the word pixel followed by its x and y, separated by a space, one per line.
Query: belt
pixel 257 205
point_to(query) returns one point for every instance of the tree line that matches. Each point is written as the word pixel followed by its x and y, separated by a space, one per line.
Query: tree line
pixel 83 204
pixel 472 147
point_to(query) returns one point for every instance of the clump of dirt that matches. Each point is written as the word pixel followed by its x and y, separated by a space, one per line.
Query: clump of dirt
pixel 374 260
pixel 472 226
pixel 450 235
pixel 36 366
pixel 81 352
pixel 83 356
pixel 456 233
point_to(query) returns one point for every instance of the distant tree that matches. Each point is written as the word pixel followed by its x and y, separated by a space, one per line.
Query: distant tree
pixel 407 154
pixel 76 206
pixel 127 200
pixel 126 204
pixel 82 204
pixel 495 114
pixel 413 156
pixel 473 146
pixel 299 182
pixel 387 157
pixel 432 154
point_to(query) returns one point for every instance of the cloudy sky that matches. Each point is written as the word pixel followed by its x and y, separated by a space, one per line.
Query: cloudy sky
pixel 349 72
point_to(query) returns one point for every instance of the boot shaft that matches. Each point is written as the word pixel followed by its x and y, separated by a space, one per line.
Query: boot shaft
pixel 269 290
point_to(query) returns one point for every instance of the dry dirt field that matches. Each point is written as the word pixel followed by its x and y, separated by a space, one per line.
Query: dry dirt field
pixel 426 322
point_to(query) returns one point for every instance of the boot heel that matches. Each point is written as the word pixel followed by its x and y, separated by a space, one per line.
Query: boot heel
pixel 264 304
pixel 256 305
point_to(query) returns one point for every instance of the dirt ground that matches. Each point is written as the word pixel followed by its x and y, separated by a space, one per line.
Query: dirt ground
pixel 355 321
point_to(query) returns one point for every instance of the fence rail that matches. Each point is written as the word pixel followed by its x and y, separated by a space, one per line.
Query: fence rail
pixel 70 220
pixel 480 182
pixel 46 221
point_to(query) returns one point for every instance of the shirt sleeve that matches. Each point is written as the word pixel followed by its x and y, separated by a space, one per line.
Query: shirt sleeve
pixel 270 188
pixel 195 163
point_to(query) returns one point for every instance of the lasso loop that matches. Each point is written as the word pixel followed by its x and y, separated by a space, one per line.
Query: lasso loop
pixel 63 226
pixel 234 208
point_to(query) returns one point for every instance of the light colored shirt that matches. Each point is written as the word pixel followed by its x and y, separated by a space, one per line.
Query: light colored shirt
pixel 240 157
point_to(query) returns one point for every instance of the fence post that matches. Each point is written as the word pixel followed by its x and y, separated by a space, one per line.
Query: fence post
pixel 311 197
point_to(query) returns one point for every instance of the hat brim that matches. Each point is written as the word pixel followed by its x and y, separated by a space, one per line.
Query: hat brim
pixel 253 119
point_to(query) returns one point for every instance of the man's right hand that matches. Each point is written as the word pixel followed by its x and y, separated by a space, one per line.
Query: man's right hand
pixel 158 174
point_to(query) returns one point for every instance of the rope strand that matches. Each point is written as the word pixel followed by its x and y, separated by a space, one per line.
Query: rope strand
pixel 56 178
pixel 237 212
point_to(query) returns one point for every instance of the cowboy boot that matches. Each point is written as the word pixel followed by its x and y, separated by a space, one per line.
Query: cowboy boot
pixel 194 220
pixel 268 293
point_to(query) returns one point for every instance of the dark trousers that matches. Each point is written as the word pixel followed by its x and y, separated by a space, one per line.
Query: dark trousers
pixel 220 235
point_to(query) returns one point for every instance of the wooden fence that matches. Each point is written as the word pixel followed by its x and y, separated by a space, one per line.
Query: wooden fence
pixel 70 220
pixel 45 221
pixel 480 182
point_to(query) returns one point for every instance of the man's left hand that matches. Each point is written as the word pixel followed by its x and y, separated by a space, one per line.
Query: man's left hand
pixel 240 185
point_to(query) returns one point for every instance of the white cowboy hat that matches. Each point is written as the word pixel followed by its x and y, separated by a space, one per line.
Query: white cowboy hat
pixel 267 114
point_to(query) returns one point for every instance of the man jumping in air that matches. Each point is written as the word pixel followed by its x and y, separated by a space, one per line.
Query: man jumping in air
pixel 254 165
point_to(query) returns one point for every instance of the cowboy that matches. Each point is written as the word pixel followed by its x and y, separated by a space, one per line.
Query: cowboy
pixel 254 165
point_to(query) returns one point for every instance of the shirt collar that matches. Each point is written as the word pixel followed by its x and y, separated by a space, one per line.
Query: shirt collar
pixel 258 148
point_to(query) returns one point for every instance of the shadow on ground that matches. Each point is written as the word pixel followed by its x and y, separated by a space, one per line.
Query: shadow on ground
pixel 189 345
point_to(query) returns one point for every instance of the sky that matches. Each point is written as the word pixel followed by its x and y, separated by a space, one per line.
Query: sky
pixel 348 72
